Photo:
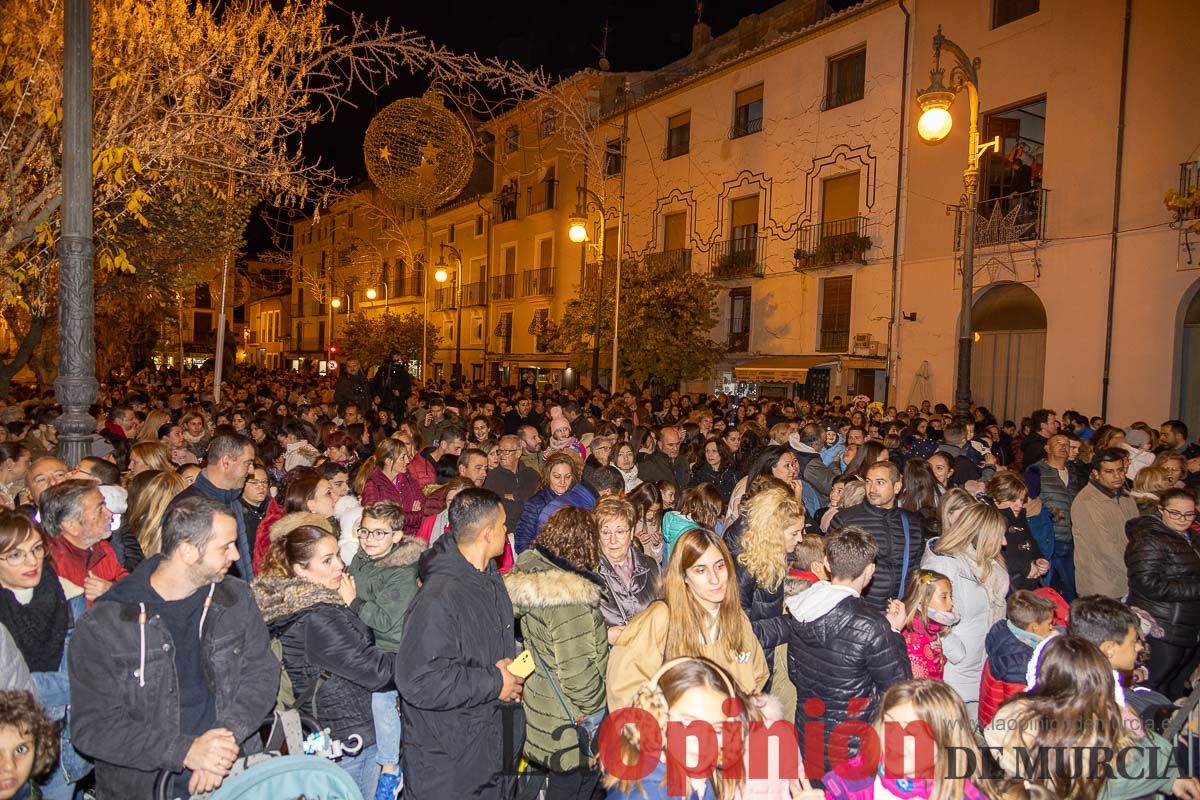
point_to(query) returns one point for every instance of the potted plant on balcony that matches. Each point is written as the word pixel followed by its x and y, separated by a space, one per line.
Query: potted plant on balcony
pixel 1185 206
pixel 737 262
pixel 804 258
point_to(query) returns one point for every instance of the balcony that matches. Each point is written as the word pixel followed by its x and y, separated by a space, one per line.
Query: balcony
pixel 828 244
pixel 443 297
pixel 1186 203
pixel 739 341
pixel 738 258
pixel 745 127
pixel 1016 217
pixel 679 260
pixel 504 287
pixel 538 282
pixel 591 274
pixel 411 285
pixel 474 294
pixel 506 205
pixel 543 198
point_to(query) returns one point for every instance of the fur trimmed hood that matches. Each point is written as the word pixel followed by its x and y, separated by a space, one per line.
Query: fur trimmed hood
pixel 540 579
pixel 280 598
pixel 405 553
pixel 289 522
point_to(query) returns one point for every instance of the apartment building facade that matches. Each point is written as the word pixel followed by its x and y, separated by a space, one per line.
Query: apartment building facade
pixel 1086 149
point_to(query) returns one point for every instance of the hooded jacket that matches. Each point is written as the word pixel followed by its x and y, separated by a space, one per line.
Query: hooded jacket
pixel 887 527
pixel 386 587
pixel 1164 578
pixel 460 739
pixel 844 653
pixel 324 641
pixel 125 690
pixel 558 608
pixel 1004 671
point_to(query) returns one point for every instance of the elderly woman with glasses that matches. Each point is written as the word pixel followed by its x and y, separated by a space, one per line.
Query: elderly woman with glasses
pixel 1164 580
pixel 40 617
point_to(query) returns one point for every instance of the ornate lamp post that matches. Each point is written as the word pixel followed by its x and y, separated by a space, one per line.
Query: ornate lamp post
pixel 76 384
pixel 934 126
pixel 440 276
pixel 577 232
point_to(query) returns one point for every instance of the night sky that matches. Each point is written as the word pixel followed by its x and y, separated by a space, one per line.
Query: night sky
pixel 562 37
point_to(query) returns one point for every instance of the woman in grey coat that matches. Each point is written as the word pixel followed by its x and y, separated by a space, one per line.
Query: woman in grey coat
pixel 968 553
pixel 631 577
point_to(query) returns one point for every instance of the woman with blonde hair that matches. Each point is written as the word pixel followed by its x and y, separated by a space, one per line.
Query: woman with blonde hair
pixel 1149 484
pixel 560 472
pixel 147 506
pixel 154 420
pixel 968 553
pixel 700 615
pixel 150 456
pixel 761 553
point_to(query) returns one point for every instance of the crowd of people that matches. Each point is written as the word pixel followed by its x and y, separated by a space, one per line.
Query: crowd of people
pixel 513 591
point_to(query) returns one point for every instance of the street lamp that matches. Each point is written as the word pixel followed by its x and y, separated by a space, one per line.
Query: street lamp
pixel 934 126
pixel 371 295
pixel 456 298
pixel 577 232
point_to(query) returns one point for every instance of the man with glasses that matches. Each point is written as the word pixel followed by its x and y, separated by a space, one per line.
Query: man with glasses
pixel 513 481
pixel 256 496
pixel 1098 518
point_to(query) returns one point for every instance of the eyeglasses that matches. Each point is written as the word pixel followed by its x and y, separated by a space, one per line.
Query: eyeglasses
pixel 15 558
pixel 256 482
pixel 373 535
pixel 1180 515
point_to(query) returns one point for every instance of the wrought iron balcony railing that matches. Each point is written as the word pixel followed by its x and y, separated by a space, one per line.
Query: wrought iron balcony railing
pixel 504 287
pixel 745 127
pixel 739 341
pixel 738 258
pixel 679 259
pixel 538 282
pixel 827 244
pixel 474 294
pixel 541 197
pixel 412 285
pixel 443 297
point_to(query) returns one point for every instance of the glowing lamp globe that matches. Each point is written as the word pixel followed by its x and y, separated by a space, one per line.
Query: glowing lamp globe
pixel 371 294
pixel 934 124
pixel 577 232
pixel 441 275
pixel 336 303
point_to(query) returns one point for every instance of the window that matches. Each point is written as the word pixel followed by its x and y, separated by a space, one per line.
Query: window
pixel 537 327
pixel 744 222
pixel 549 119
pixel 835 315
pixel 203 296
pixel 504 331
pixel 845 78
pixel 747 112
pixel 1006 11
pixel 478 226
pixel 508 258
pixel 321 342
pixel 679 135
pixel 675 232
pixel 1012 177
pixel 612 158
pixel 512 139
pixel 545 253
pixel 739 320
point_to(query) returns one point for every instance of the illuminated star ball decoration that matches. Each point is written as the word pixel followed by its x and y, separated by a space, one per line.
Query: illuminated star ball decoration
pixel 418 152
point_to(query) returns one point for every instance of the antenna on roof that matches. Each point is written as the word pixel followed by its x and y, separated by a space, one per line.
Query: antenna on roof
pixel 699 10
pixel 603 50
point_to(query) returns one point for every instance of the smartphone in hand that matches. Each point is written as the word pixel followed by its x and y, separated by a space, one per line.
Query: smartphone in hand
pixel 522 666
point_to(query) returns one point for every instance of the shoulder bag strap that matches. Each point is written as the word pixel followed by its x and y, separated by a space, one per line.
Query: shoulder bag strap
pixel 907 550
pixel 550 677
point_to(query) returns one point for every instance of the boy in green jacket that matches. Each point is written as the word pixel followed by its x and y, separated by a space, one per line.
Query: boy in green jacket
pixel 385 575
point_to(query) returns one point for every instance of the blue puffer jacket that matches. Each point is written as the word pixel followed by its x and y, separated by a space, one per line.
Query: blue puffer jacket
pixel 527 525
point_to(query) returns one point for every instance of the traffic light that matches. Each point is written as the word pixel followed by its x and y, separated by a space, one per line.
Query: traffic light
pixel 333 349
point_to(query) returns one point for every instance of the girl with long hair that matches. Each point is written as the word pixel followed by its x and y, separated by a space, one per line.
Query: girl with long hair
pixel 700 615
pixel 968 553
pixel 145 456
pixel 929 614
pixel 762 553
pixel 647 515
pixel 148 502
pixel 1073 708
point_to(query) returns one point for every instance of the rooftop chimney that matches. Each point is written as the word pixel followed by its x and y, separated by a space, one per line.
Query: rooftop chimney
pixel 701 35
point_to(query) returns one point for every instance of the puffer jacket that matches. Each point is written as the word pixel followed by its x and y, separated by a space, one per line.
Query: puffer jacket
pixel 844 653
pixel 1020 551
pixel 1164 578
pixel 886 526
pixel 722 480
pixel 1004 671
pixel 527 525
pixel 405 492
pixel 763 606
pixel 557 607
pixel 924 643
pixel 386 586
pixel 323 640
pixel 622 603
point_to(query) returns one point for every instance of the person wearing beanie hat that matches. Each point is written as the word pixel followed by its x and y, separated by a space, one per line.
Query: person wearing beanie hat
pixel 1137 446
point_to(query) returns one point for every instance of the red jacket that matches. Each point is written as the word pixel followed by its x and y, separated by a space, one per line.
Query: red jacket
pixel 924 645
pixel 262 536
pixel 73 565
pixel 422 469
pixel 1003 671
pixel 404 492
pixel 993 692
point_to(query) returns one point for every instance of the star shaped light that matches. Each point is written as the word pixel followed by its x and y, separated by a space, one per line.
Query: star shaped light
pixel 385 154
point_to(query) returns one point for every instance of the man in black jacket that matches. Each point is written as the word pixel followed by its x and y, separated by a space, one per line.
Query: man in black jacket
pixel 463 723
pixel 843 654
pixel 172 668
pixel 351 388
pixel 900 545
pixel 228 461
pixel 392 385
pixel 817 477
pixel 667 463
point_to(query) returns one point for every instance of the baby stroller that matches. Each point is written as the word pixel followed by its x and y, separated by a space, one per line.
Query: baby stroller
pixel 272 776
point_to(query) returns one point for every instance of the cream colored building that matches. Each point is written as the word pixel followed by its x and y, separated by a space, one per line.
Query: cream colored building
pixel 1051 85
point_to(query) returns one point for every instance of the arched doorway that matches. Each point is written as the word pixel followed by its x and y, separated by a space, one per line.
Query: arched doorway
pixel 1008 359
pixel 1189 388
